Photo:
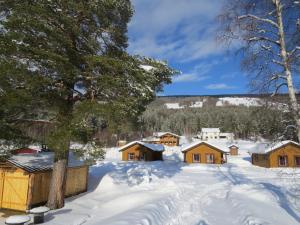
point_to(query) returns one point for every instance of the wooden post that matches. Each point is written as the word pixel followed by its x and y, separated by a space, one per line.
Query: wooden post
pixel 30 191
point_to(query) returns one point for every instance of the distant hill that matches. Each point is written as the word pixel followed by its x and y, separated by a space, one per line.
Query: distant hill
pixel 199 101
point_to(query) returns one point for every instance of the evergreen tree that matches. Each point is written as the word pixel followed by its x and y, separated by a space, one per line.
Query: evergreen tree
pixel 70 58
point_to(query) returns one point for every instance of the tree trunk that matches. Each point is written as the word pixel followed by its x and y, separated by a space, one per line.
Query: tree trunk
pixel 57 185
pixel 287 70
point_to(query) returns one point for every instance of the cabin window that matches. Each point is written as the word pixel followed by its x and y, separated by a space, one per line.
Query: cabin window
pixel 196 158
pixel 297 160
pixel 282 160
pixel 131 156
pixel 210 158
pixel 256 157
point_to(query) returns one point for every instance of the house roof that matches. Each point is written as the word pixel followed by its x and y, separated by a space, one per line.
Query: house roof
pixel 160 134
pixel 196 143
pixel 153 147
pixel 233 145
pixel 272 147
pixel 40 162
pixel 210 130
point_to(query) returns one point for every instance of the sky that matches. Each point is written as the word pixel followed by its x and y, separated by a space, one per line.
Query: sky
pixel 183 32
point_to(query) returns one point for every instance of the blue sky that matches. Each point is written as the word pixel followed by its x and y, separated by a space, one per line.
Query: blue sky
pixel 183 33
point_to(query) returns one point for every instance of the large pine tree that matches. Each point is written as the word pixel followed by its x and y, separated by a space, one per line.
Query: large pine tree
pixel 70 58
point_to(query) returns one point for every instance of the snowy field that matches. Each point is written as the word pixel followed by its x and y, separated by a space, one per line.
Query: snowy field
pixel 171 192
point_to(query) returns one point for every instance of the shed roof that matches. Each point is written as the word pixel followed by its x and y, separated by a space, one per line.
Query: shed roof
pixel 40 162
pixel 274 146
pixel 153 147
pixel 233 145
pixel 214 145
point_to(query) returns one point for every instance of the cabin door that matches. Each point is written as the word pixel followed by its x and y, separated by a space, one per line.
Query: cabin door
pixel 143 156
pixel 1 186
pixel 15 188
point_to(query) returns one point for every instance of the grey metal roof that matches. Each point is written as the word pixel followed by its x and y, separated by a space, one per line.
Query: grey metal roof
pixel 40 162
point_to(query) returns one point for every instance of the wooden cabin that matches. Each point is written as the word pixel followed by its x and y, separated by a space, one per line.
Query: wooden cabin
pixel 25 180
pixel 164 138
pixel 233 150
pixel 283 154
pixel 141 151
pixel 204 152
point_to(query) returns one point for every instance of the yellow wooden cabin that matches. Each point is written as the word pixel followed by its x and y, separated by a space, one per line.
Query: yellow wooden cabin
pixel 282 154
pixel 204 152
pixel 25 180
pixel 141 151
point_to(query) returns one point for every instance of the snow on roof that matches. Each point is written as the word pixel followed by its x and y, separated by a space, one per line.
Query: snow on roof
pixel 233 145
pixel 40 162
pixel 263 149
pixel 159 134
pixel 196 143
pixel 210 130
pixel 150 138
pixel 153 147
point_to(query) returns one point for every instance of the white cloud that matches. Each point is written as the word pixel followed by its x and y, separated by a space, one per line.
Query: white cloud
pixel 220 86
pixel 183 30
pixel 189 78
pixel 199 72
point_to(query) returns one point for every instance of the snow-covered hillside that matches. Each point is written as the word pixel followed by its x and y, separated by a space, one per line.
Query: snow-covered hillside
pixel 228 101
pixel 173 193
pixel 239 101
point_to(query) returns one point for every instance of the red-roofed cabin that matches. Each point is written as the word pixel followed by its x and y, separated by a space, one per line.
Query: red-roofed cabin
pixel 25 151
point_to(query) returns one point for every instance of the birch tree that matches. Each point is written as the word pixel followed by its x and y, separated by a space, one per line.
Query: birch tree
pixel 267 33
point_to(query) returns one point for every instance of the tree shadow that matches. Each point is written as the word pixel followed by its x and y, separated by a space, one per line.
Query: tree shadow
pixel 51 215
pixel 248 159
pixel 239 179
pixel 282 199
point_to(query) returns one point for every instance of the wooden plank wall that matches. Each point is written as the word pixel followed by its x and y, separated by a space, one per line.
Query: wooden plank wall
pixel 76 180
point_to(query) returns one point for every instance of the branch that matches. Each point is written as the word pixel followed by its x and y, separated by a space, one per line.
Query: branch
pixel 277 88
pixel 277 76
pixel 294 50
pixel 264 39
pixel 259 19
pixel 278 62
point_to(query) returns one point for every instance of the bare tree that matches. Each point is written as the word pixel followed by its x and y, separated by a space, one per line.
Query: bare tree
pixel 267 33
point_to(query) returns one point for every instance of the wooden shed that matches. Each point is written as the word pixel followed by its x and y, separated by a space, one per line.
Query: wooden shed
pixel 233 149
pixel 282 154
pixel 204 152
pixel 141 151
pixel 25 180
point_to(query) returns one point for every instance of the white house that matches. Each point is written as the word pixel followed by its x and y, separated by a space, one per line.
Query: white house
pixel 207 134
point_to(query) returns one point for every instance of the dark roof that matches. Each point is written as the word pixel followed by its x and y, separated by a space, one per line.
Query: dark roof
pixel 40 162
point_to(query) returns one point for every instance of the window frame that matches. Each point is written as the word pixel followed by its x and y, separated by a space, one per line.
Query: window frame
pixel 296 156
pixel 193 159
pixel 213 158
pixel 131 154
pixel 286 161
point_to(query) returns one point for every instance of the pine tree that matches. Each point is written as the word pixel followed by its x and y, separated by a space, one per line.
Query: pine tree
pixel 70 57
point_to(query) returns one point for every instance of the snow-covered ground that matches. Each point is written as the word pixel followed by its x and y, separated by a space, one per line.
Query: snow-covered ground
pixel 171 192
